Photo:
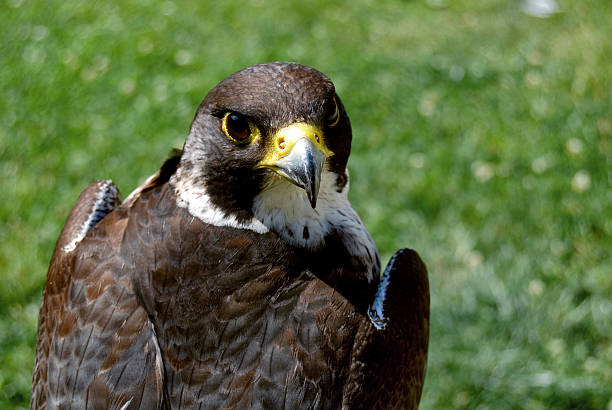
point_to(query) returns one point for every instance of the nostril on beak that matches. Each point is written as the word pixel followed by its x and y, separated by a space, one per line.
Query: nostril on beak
pixel 281 144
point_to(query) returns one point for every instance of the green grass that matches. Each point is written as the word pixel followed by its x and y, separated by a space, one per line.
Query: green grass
pixel 482 139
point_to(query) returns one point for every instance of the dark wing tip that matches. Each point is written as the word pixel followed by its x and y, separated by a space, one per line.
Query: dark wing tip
pixel 166 171
pixel 390 352
pixel 95 202
pixel 403 290
pixel 162 176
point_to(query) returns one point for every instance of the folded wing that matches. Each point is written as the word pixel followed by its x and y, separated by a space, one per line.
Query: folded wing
pixel 390 353
pixel 96 346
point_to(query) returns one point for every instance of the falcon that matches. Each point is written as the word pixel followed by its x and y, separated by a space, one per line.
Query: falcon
pixel 238 275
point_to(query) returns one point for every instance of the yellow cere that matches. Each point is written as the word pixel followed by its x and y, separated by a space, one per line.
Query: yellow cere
pixel 283 141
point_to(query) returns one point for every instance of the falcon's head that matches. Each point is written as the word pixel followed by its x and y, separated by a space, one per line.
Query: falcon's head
pixel 267 150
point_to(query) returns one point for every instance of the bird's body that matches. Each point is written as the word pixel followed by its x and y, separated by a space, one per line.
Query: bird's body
pixel 220 284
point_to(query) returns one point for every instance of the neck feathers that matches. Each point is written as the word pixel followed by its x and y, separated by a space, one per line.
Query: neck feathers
pixel 283 208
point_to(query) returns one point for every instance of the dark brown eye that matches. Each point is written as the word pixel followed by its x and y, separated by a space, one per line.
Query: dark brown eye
pixel 334 114
pixel 236 127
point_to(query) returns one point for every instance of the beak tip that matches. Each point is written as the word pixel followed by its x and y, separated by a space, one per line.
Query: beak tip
pixel 312 191
pixel 313 201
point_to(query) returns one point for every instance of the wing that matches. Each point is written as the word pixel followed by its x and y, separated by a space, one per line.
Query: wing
pixel 96 346
pixel 95 202
pixel 390 352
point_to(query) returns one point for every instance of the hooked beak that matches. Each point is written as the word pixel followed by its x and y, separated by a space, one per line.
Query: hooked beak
pixel 298 154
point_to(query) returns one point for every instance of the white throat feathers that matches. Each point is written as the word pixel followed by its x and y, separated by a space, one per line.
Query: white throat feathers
pixel 283 208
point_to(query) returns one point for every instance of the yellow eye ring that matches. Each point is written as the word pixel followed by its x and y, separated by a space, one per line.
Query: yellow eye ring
pixel 333 119
pixel 238 128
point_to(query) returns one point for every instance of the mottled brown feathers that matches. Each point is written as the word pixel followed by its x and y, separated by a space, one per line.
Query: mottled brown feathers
pixel 149 306
pixel 236 318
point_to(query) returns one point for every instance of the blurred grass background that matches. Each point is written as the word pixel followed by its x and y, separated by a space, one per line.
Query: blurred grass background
pixel 482 139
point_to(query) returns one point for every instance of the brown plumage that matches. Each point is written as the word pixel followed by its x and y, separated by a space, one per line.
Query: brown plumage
pixel 156 303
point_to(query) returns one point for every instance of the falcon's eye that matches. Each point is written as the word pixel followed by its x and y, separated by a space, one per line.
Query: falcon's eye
pixel 334 116
pixel 236 127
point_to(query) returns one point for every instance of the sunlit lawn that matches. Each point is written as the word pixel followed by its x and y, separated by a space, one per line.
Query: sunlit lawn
pixel 482 139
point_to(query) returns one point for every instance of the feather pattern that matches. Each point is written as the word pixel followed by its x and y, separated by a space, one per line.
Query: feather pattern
pixel 217 285
pixel 236 319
